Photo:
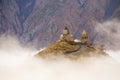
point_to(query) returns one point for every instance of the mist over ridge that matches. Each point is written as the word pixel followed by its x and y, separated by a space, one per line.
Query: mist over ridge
pixel 29 26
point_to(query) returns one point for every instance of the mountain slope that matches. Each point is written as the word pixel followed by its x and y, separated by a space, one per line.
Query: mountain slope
pixel 39 22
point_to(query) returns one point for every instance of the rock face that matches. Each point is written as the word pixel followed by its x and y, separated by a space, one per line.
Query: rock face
pixel 70 48
pixel 40 22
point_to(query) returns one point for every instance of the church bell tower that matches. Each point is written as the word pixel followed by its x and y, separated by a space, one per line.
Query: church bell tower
pixel 84 39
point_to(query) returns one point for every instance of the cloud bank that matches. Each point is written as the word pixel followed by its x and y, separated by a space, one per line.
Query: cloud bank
pixel 17 63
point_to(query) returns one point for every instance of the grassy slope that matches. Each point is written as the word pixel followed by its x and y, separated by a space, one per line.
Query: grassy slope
pixel 72 50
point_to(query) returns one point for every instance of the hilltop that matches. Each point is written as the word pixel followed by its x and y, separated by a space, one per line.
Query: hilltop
pixel 68 47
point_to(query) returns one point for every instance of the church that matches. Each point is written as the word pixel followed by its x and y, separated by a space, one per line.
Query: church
pixel 67 37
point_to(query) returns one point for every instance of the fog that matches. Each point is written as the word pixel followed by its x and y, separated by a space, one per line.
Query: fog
pixel 18 63
pixel 108 33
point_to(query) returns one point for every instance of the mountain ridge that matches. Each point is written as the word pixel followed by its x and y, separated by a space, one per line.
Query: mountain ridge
pixel 41 21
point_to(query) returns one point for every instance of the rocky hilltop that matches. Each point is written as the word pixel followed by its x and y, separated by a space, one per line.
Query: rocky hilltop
pixel 67 46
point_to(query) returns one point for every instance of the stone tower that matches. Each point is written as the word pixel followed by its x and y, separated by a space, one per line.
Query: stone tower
pixel 66 36
pixel 66 31
pixel 84 39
